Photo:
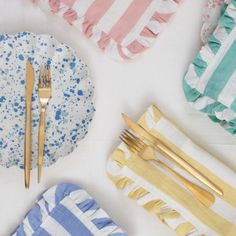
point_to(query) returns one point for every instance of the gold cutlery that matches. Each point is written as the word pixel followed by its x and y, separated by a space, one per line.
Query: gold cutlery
pixel 44 93
pixel 163 149
pixel 146 152
pixel 28 138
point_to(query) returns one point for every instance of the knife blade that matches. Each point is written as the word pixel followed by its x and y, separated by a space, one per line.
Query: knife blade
pixel 163 149
pixel 28 138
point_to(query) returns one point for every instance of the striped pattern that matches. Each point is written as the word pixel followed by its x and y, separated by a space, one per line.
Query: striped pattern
pixel 210 83
pixel 162 195
pixel 66 210
pixel 121 28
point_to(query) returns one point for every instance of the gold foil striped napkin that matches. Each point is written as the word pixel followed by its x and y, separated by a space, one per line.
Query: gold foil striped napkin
pixel 161 194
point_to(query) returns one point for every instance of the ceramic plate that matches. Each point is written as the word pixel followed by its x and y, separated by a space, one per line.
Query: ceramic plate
pixel 70 109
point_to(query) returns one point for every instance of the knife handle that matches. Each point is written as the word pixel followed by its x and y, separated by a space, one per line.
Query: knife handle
pixel 28 145
pixel 160 147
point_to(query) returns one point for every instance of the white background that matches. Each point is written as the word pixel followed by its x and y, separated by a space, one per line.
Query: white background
pixel 153 78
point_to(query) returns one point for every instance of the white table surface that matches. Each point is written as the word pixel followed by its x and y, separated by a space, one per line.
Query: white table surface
pixel 155 77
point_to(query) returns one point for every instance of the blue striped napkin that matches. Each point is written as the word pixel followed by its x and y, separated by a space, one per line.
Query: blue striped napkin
pixel 65 210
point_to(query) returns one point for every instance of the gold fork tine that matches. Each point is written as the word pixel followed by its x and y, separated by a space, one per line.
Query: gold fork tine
pixel 131 135
pixel 125 141
pixel 130 142
pixel 138 141
pixel 133 140
pixel 48 76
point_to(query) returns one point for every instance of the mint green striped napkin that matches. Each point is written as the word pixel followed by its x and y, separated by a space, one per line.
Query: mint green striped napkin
pixel 210 82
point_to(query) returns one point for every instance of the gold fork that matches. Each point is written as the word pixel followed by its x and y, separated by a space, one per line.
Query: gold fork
pixel 45 92
pixel 146 152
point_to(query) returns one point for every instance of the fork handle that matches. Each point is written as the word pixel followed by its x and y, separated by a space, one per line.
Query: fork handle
pixel 163 149
pixel 41 139
pixel 201 194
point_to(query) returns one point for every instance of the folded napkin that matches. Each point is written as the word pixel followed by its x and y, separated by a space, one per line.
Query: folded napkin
pixel 162 195
pixel 65 210
pixel 210 82
pixel 121 28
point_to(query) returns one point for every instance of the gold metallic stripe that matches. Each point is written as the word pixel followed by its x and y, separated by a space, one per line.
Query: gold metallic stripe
pixel 119 157
pixel 184 229
pixel 154 206
pixel 165 184
pixel 121 182
pixel 172 214
pixel 138 193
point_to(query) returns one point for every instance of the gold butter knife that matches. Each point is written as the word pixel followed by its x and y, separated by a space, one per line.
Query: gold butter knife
pixel 28 138
pixel 163 149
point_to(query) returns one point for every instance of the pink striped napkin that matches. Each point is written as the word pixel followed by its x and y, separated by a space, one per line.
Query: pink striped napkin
pixel 121 28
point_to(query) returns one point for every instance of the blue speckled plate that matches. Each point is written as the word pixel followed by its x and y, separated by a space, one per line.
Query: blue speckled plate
pixel 70 109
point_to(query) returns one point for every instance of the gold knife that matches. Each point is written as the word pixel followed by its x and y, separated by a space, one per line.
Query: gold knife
pixel 28 138
pixel 163 149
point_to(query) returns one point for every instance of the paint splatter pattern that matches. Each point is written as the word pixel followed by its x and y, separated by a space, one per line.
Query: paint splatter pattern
pixel 70 109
